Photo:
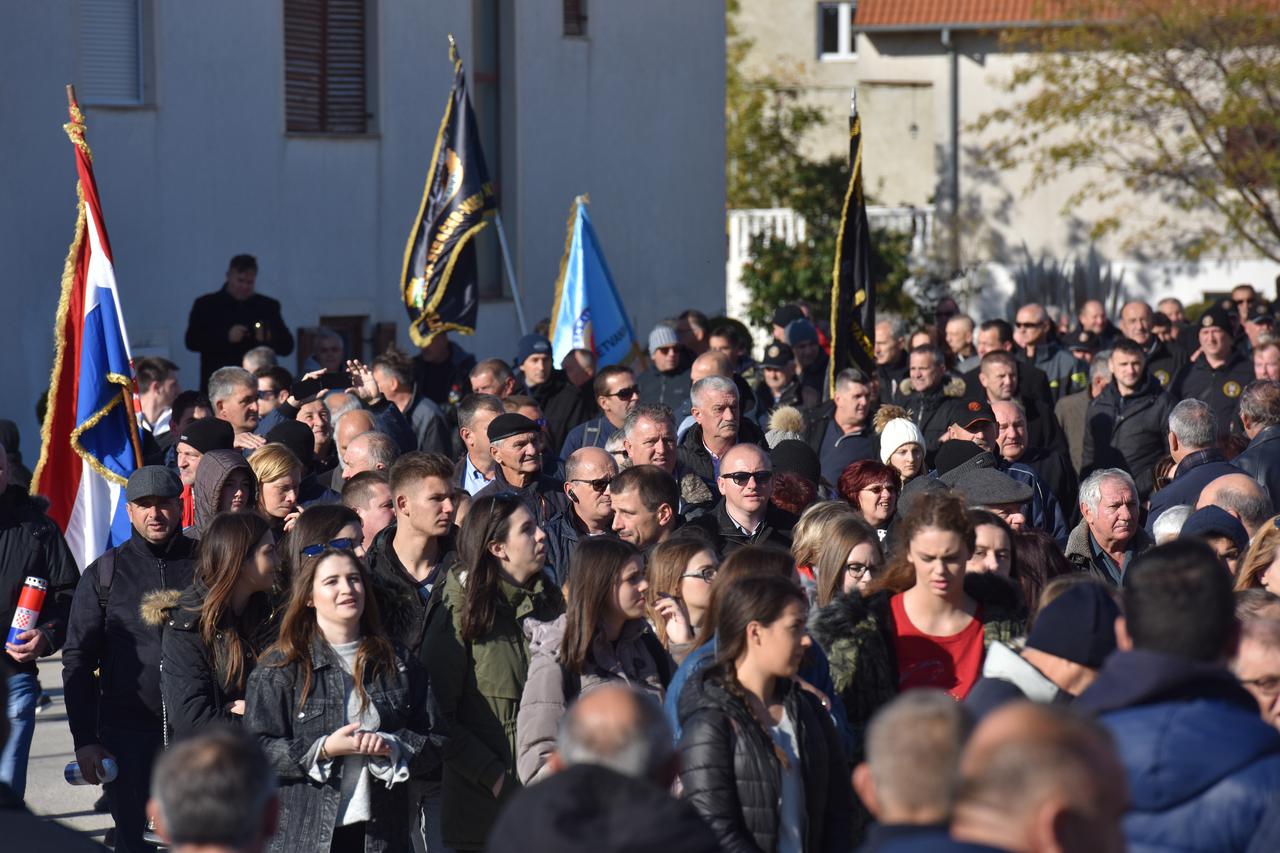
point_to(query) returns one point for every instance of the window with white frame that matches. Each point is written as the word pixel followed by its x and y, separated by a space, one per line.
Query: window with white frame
pixel 110 60
pixel 835 31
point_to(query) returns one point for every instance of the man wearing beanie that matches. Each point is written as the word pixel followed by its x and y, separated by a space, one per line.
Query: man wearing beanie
pixel 1221 531
pixel 666 381
pixel 195 440
pixel 514 446
pixel 1220 373
pixel 802 336
pixel 119 714
pixel 563 404
pixel 1071 637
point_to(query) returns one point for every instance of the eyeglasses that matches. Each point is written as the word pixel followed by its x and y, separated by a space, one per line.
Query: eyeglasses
pixel 1027 325
pixel 879 490
pixel 624 394
pixel 262 395
pixel 598 486
pixel 741 478
pixel 706 573
pixel 859 570
pixel 343 544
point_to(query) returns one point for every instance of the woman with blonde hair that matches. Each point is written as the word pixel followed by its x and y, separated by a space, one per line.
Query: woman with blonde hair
pixel 680 574
pixel 1260 567
pixel 279 474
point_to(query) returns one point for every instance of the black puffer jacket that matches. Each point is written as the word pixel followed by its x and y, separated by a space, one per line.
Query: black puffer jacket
pixel 732 774
pixel 194 687
pixel 401 606
pixel 1130 433
pixel 696 459
pixel 32 546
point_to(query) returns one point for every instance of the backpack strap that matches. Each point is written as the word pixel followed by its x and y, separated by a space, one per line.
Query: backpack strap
pixel 106 573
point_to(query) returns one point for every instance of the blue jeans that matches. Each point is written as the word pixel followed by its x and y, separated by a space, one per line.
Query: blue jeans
pixel 24 691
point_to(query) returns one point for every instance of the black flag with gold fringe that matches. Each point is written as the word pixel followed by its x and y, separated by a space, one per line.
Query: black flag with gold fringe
pixel 853 294
pixel 438 283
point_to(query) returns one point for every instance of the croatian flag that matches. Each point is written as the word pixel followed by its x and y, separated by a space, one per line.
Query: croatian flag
pixel 588 313
pixel 89 442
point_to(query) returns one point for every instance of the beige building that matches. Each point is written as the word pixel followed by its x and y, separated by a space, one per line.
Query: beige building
pixel 924 72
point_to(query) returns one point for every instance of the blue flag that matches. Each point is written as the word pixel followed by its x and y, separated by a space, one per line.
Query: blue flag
pixel 588 313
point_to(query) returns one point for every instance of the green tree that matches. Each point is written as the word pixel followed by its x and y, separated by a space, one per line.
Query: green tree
pixel 765 123
pixel 1169 100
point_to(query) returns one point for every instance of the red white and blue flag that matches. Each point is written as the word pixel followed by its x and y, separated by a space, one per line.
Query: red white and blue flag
pixel 89 441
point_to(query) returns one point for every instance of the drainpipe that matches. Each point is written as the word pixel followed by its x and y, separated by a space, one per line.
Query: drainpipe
pixel 953 178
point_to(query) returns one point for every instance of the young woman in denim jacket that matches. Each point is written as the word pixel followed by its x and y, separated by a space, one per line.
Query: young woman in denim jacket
pixel 342 715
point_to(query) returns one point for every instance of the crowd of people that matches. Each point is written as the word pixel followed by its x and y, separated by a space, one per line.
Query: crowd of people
pixel 1017 588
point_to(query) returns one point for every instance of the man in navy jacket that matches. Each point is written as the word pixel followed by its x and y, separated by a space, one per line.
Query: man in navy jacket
pixel 1193 444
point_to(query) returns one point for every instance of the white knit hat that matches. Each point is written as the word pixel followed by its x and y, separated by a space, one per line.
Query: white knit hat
pixel 896 433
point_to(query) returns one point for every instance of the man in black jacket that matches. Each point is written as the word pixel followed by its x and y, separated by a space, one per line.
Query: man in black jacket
pixel 1260 414
pixel 1197 460
pixel 1219 374
pixel 719 426
pixel 563 404
pixel 588 473
pixel 840 431
pixel 932 400
pixel 117 714
pixel 1127 424
pixel 30 546
pixel 514 446
pixel 1163 360
pixel 744 515
pixel 226 324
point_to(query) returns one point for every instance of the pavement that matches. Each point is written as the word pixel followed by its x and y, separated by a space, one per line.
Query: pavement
pixel 48 793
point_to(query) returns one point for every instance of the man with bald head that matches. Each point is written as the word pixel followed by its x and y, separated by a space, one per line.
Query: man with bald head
pixel 1241 496
pixel 1038 778
pixel 587 475
pixel 1163 360
pixel 613 768
pixel 1093 318
pixel 1033 332
pixel 744 514
pixel 369 451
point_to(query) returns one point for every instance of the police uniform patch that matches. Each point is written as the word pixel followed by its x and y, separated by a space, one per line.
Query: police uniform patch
pixel 1162 376
pixel 773 351
pixel 1232 389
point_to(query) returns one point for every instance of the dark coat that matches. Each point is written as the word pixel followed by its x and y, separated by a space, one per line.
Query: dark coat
pixel 1072 413
pixel 479 684
pixel 563 533
pixel 1164 361
pixel 1195 471
pixel 119 643
pixel 564 405
pixel 1032 382
pixel 934 410
pixel 593 809
pixel 32 546
pixel 1203 767
pixel 544 496
pixel 195 688
pixel 1220 387
pixel 1065 373
pixel 444 383
pixel 671 389
pixel 593 433
pixel 1261 460
pixel 400 605
pixel 212 317
pixel 287 729
pixel 1055 471
pixel 866 444
pixel 694 458
pixel 1080 554
pixel 774 530
pixel 732 774
pixel 1129 433
pixel 211 474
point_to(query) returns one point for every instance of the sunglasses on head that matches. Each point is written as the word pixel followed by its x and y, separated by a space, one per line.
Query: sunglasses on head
pixel 741 478
pixel 343 544
pixel 598 486
pixel 624 394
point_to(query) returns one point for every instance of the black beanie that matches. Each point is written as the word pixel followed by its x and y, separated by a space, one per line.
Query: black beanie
pixel 1078 625
pixel 205 434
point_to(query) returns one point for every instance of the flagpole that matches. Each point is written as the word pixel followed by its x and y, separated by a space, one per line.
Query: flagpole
pixel 511 274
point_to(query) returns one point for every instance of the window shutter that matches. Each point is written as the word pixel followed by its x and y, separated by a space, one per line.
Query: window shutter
pixel 110 52
pixel 324 47
pixel 575 17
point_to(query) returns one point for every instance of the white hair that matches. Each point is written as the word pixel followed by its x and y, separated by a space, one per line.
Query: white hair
pixel 1168 525
pixel 225 381
pixel 1091 488
pixel 713 385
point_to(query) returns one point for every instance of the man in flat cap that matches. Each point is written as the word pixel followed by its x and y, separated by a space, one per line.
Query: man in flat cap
pixel 1220 373
pixel 514 446
pixel 118 715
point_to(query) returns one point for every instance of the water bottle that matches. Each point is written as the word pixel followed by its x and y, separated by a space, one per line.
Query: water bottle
pixel 74 777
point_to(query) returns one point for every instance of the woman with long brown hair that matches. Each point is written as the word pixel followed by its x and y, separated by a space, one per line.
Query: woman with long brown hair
pixel 849 559
pixel 342 715
pixel 763 764
pixel 279 475
pixel 602 637
pixel 478 656
pixel 680 574
pixel 215 630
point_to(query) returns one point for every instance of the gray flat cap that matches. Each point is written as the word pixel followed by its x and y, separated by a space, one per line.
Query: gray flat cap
pixel 988 487
pixel 152 481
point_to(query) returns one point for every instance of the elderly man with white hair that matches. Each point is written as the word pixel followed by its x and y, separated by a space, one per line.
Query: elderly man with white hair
pixel 1193 444
pixel 719 426
pixel 1107 539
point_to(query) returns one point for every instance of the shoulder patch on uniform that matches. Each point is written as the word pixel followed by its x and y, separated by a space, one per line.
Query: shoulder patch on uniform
pixel 1232 389
pixel 1162 376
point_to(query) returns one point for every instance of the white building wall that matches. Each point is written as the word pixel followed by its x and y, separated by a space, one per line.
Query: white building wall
pixel 632 114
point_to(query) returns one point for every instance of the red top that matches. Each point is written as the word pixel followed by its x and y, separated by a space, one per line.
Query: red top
pixel 951 663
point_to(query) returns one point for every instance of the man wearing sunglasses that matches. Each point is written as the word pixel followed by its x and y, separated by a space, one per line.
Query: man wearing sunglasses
pixel 743 515
pixel 616 395
pixel 588 473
